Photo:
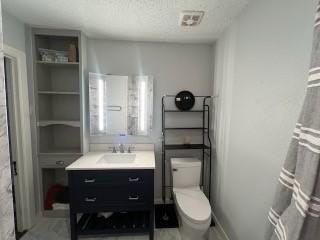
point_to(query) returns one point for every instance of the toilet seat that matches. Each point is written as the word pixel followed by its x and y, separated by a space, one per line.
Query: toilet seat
pixel 193 204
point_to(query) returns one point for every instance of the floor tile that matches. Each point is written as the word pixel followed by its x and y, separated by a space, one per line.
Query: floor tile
pixel 58 229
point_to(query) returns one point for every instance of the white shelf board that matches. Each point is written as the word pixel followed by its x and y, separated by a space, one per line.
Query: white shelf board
pixel 58 63
pixel 45 123
pixel 62 151
pixel 58 93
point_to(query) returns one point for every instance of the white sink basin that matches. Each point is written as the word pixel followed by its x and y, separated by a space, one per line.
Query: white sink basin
pixel 117 158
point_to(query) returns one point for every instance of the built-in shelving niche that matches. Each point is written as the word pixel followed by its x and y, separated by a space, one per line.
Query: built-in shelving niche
pixel 57 92
pixel 59 107
pixel 58 77
pixel 58 96
pixel 59 43
pixel 59 138
pixel 50 178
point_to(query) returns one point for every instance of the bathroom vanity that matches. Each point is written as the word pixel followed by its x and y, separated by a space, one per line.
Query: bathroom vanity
pixel 120 183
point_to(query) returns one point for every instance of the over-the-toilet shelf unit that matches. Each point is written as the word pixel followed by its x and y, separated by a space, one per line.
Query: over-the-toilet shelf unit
pixel 205 145
pixel 59 99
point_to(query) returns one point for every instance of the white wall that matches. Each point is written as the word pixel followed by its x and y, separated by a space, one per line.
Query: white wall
pixel 261 70
pixel 13 31
pixel 175 67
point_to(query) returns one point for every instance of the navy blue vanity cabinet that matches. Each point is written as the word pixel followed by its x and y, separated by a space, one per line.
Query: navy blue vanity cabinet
pixel 129 194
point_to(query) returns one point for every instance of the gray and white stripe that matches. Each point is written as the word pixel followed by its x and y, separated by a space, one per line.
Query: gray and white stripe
pixel 305 204
pixel 279 228
pixel 317 17
pixel 314 77
pixel 307 137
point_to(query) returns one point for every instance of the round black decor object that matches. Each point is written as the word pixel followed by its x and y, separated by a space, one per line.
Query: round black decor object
pixel 184 100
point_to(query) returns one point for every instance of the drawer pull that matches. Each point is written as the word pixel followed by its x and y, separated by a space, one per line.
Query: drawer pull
pixel 90 199
pixel 90 180
pixel 134 179
pixel 133 198
pixel 60 163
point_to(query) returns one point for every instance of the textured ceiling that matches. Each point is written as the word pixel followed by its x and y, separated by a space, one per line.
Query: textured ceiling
pixel 140 20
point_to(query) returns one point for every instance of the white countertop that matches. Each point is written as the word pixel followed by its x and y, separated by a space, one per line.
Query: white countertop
pixel 143 160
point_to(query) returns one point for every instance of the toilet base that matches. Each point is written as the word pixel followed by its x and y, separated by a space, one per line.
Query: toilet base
pixel 190 235
pixel 191 231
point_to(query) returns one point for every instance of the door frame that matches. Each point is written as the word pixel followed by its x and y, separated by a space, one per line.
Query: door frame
pixel 21 123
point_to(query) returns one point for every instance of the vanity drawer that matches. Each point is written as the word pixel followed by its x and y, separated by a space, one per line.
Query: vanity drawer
pixel 111 178
pixel 96 197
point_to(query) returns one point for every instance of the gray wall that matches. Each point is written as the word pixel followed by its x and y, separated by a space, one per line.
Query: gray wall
pixel 6 201
pixel 261 71
pixel 175 67
pixel 13 31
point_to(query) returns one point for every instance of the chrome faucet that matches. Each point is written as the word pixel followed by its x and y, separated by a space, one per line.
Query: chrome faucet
pixel 130 149
pixel 114 150
pixel 121 148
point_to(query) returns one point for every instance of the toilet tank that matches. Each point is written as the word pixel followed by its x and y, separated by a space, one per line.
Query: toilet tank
pixel 185 172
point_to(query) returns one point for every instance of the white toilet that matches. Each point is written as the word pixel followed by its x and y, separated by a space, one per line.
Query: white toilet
pixel 193 207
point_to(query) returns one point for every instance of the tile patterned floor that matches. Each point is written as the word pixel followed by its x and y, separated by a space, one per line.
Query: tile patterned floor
pixel 58 229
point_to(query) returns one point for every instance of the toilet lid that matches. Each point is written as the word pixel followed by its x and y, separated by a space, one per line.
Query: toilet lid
pixel 193 204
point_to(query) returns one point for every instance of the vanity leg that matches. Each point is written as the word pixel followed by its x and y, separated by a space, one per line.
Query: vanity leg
pixel 151 227
pixel 73 226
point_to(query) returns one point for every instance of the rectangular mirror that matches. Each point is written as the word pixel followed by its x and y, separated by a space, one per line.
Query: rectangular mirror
pixel 120 105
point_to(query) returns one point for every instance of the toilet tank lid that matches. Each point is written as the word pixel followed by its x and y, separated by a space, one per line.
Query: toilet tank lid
pixel 185 162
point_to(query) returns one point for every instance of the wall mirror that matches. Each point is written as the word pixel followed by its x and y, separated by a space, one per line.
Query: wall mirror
pixel 120 105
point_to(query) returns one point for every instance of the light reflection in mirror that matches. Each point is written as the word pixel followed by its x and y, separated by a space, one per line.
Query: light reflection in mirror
pixel 101 94
pixel 142 104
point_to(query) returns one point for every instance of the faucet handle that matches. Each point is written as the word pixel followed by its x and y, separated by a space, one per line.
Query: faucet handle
pixel 114 150
pixel 130 148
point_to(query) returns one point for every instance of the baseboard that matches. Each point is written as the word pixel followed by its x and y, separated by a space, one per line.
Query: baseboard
pixel 219 228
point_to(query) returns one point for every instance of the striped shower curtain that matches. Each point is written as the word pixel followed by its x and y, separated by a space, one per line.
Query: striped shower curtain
pixel 295 213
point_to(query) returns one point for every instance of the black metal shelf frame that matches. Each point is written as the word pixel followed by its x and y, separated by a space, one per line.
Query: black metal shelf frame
pixel 185 128
pixel 206 144
pixel 184 146
pixel 179 111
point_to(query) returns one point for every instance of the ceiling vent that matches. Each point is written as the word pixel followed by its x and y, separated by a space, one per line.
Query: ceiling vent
pixel 190 18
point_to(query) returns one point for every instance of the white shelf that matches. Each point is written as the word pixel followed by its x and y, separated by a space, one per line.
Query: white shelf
pixel 62 151
pixel 58 63
pixel 46 123
pixel 58 93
